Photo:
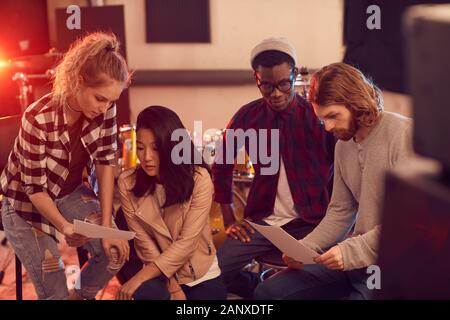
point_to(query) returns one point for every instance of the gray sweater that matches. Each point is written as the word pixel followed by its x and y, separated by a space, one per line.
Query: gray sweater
pixel 358 191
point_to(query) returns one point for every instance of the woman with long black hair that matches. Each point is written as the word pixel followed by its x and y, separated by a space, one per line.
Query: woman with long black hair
pixel 166 201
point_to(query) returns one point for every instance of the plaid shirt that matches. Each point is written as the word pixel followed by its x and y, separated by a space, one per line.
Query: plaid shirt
pixel 307 151
pixel 39 161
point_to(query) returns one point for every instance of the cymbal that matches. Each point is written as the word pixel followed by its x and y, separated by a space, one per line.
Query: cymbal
pixel 35 63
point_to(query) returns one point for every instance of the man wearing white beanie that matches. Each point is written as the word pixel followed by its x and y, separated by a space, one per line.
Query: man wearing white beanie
pixel 297 195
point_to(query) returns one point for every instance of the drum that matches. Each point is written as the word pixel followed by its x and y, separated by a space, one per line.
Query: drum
pixel 32 86
pixel 302 83
pixel 33 75
pixel 216 217
pixel 243 167
pixel 127 137
pixel 243 170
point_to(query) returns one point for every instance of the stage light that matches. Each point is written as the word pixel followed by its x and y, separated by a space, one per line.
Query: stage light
pixel 3 61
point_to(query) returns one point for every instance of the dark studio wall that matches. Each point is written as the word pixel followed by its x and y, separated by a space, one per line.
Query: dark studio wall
pixel 378 53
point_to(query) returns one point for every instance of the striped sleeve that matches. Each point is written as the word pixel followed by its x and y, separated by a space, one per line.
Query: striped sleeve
pixel 31 146
pixel 107 144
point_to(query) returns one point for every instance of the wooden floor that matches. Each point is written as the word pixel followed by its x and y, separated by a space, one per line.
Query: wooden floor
pixel 70 258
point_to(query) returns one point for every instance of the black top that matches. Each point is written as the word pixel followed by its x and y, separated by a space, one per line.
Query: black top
pixel 79 159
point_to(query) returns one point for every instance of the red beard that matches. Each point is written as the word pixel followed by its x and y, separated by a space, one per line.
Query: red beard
pixel 346 134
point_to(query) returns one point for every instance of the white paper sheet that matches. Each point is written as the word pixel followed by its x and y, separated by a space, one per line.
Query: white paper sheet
pixel 95 231
pixel 286 243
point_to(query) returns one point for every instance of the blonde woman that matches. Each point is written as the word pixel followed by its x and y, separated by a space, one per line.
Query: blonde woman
pixel 72 128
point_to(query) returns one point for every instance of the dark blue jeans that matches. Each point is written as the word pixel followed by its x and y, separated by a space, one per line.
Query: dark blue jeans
pixel 156 289
pixel 233 255
pixel 315 282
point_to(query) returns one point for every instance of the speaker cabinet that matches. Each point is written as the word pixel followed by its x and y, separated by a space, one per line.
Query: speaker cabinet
pixel 427 30
pixel 415 239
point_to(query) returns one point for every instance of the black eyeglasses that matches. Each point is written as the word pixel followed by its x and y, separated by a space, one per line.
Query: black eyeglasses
pixel 284 85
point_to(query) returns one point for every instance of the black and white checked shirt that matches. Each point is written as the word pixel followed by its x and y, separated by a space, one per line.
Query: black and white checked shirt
pixel 41 155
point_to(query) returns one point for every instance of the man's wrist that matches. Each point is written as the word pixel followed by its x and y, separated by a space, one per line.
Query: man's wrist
pixel 228 222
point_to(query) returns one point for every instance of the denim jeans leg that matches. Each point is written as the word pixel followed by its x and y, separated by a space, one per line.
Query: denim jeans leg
pixel 39 254
pixel 82 204
pixel 313 282
pixel 234 254
pixel 358 280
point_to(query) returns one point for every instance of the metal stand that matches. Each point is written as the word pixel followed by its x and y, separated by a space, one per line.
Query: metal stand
pixel 25 88
pixel 18 279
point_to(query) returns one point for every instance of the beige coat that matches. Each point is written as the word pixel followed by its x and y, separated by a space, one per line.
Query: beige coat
pixel 180 242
